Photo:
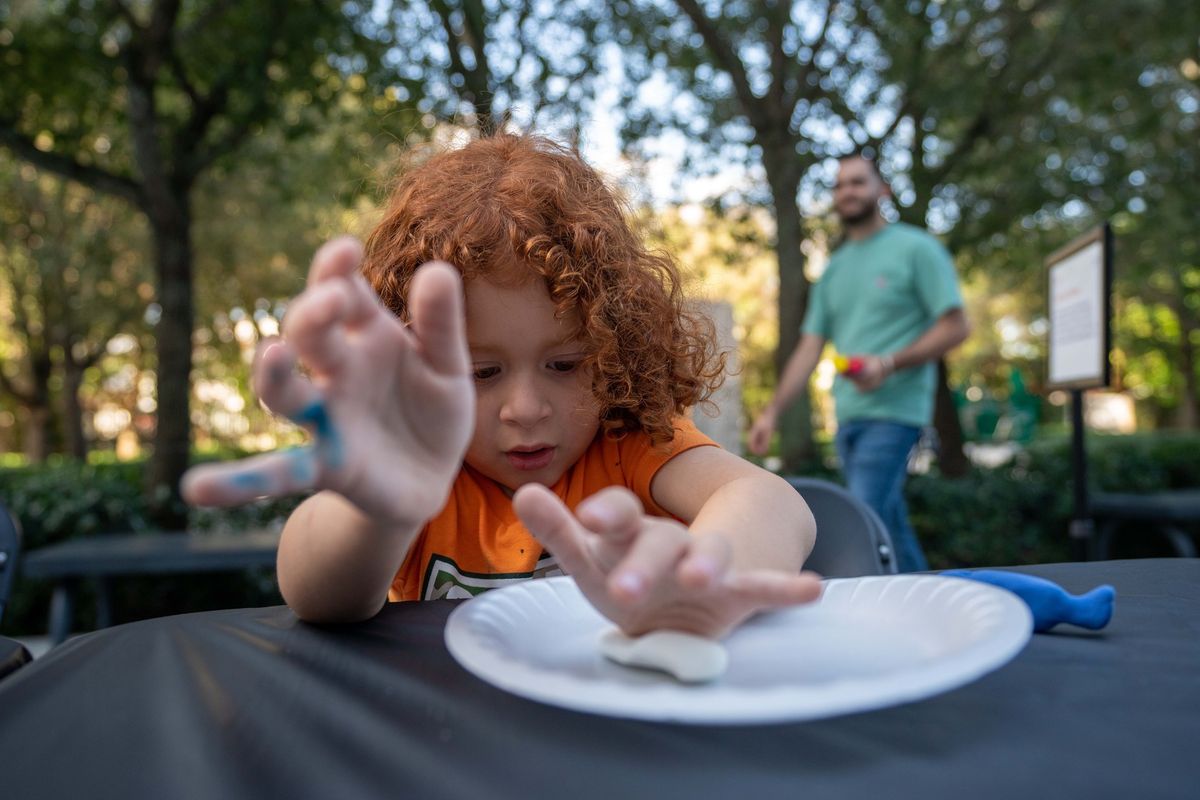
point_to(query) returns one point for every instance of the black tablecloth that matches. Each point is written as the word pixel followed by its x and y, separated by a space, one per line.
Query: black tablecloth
pixel 253 703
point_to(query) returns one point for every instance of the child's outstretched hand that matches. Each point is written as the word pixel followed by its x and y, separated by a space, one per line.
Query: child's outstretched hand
pixel 390 408
pixel 647 573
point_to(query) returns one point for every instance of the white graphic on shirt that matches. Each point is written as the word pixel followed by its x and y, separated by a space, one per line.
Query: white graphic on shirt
pixel 445 581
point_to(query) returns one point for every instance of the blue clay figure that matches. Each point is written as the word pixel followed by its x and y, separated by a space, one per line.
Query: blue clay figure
pixel 1049 602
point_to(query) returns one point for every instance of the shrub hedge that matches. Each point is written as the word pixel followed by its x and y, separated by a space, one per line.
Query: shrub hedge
pixel 63 500
pixel 1019 513
pixel 1014 514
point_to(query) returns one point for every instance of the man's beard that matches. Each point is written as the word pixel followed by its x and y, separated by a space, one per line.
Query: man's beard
pixel 868 211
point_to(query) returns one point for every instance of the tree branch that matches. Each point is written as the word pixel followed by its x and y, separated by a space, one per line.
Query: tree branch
pixel 475 80
pixel 837 102
pixel 204 110
pixel 982 122
pixel 20 395
pixel 206 152
pixel 211 12
pixel 777 19
pixel 162 24
pixel 801 71
pixel 729 61
pixel 91 176
pixel 125 12
pixel 475 37
pixel 233 137
pixel 185 82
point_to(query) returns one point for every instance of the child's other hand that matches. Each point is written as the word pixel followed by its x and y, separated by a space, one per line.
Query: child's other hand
pixel 648 573
pixel 390 408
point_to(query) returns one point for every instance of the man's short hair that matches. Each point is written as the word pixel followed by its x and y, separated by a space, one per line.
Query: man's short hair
pixel 866 154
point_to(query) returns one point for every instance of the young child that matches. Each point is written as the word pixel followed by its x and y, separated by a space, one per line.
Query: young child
pixel 518 413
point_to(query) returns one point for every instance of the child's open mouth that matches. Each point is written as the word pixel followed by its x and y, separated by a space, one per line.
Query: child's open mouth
pixel 530 458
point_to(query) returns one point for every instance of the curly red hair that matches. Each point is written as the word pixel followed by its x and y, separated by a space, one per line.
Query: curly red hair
pixel 523 201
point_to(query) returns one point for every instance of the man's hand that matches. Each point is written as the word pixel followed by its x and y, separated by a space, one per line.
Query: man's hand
pixel 390 407
pixel 761 431
pixel 648 573
pixel 875 370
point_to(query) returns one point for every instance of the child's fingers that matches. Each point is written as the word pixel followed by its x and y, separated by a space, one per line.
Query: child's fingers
pixel 313 324
pixel 773 588
pixel 615 515
pixel 271 475
pixel 652 555
pixel 552 524
pixel 364 304
pixel 338 257
pixel 706 562
pixel 286 392
pixel 438 320
pixel 276 382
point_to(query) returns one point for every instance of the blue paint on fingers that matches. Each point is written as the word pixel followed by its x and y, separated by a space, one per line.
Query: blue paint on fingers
pixel 254 482
pixel 316 418
pixel 302 466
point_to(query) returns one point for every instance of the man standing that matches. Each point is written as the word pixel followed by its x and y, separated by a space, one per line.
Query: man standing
pixel 889 301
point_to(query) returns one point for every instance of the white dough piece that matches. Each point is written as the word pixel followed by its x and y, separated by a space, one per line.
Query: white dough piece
pixel 688 658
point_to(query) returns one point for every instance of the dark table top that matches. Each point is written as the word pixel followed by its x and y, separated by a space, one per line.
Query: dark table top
pixel 1179 505
pixel 254 703
pixel 153 553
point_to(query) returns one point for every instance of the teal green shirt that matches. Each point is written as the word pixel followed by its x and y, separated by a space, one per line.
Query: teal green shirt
pixel 877 296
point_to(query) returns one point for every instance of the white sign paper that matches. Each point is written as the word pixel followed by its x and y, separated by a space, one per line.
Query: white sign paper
pixel 1077 324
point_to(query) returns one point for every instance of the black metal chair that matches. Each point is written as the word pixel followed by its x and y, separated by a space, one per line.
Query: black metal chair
pixel 851 538
pixel 13 656
pixel 10 551
pixel 1173 514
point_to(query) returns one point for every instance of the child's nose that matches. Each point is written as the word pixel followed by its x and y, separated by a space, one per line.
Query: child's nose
pixel 524 404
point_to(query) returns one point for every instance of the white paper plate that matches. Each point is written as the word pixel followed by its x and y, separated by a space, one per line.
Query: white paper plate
pixel 866 644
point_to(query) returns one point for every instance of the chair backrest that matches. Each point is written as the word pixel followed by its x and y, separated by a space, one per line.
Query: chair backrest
pixel 851 539
pixel 10 551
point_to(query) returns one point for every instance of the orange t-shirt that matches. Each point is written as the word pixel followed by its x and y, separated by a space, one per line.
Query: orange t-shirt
pixel 477 543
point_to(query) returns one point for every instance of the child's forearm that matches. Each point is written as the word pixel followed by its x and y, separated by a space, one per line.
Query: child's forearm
pixel 767 523
pixel 335 563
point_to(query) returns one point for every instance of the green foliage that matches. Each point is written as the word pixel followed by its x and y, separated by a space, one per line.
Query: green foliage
pixel 989 518
pixel 1018 513
pixel 140 101
pixel 1015 514
pixel 63 500
pixel 483 64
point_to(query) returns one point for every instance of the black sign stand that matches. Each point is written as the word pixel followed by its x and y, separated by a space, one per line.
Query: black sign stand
pixel 1081 531
pixel 1082 528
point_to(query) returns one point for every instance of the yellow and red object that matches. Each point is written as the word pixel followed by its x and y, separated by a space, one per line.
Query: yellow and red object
pixel 848 365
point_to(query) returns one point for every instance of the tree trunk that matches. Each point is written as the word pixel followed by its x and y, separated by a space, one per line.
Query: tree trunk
pixel 1189 404
pixel 171 224
pixel 951 458
pixel 952 461
pixel 72 408
pixel 39 427
pixel 37 433
pixel 796 428
pixel 166 202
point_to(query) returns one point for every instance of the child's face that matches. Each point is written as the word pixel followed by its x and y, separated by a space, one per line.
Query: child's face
pixel 535 413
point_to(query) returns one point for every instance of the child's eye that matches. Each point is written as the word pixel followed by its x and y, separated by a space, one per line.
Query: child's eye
pixel 483 373
pixel 563 366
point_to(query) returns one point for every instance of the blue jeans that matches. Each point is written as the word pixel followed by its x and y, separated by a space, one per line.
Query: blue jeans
pixel 874 456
